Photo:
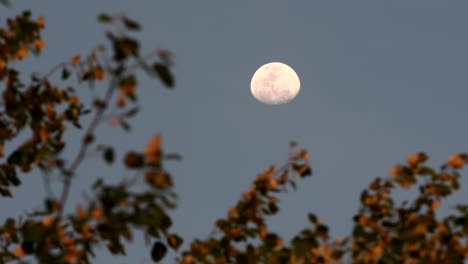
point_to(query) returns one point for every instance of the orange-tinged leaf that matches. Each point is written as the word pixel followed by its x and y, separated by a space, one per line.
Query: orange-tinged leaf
pixel 99 73
pixel 420 229
pixel 43 133
pixel 74 100
pixel 234 232
pixel 413 159
pixel 97 213
pixel 19 251
pixel 75 60
pixel 68 242
pixel 435 204
pixel 70 256
pixel 81 212
pixel 456 161
pixel 41 21
pixel 48 220
pixel 158 179
pixel 362 220
pixel 263 232
pixel 127 86
pixel 120 100
pixel 405 184
pixel 50 111
pixel 273 183
pixel 396 170
pixel 39 44
pixel 232 213
pixel 153 149
pixel 87 231
pixel 22 52
pixel 302 154
pixel 174 241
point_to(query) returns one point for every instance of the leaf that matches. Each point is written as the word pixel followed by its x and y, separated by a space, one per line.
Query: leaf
pixel 164 74
pixel 312 218
pixel 134 160
pixel 153 150
pixel 12 177
pixel 75 60
pixel 109 155
pixel 292 144
pixel 10 225
pixel 5 192
pixel 303 170
pixel 28 247
pixel 271 240
pixel 77 125
pixel 126 126
pixel 104 18
pixel 98 73
pixel 127 86
pixel 158 251
pixel 131 112
pixel 273 208
pixel 131 24
pixel 322 230
pixel 65 74
pixel 174 241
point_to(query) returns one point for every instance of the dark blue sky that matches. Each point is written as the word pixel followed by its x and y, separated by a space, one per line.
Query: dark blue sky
pixel 379 80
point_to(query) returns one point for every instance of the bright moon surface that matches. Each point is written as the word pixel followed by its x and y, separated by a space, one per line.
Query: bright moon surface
pixel 275 83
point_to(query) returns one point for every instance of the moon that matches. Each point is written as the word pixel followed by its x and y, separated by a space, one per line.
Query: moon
pixel 275 83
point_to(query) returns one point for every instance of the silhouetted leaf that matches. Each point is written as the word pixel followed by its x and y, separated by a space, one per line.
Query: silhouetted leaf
pixel 104 18
pixel 131 24
pixel 312 218
pixel 158 251
pixel 126 126
pixel 65 74
pixel 5 192
pixel 164 74
pixel 77 125
pixel 28 247
pixel 109 155
pixel 134 160
pixel 131 112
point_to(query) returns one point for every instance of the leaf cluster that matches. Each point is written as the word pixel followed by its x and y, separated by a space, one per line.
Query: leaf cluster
pixel 41 111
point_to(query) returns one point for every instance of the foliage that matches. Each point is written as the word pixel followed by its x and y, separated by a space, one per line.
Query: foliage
pixel 39 113
pixel 43 111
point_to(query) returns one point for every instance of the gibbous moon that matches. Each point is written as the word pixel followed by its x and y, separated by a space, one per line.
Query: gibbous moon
pixel 275 83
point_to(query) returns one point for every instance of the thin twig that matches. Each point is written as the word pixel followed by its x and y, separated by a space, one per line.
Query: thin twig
pixel 53 70
pixel 83 148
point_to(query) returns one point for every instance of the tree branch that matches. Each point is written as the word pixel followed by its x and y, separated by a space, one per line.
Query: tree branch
pixel 84 147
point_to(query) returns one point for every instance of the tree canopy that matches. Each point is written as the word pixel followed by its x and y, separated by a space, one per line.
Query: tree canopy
pixel 36 113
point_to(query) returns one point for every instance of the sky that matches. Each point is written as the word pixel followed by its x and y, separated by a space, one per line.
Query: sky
pixel 379 80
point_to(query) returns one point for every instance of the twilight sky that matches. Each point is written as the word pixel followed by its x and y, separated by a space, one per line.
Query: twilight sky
pixel 379 80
